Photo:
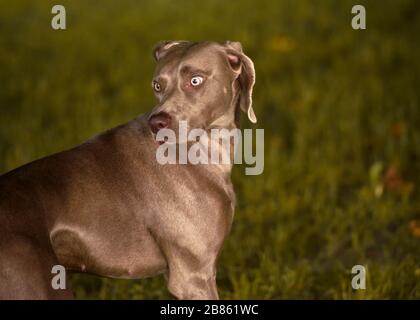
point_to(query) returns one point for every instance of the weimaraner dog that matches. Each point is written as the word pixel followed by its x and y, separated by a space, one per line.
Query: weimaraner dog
pixel 107 207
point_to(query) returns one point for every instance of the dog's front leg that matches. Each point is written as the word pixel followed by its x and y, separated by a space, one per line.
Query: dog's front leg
pixel 191 275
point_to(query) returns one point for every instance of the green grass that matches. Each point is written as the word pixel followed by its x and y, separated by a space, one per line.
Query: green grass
pixel 340 109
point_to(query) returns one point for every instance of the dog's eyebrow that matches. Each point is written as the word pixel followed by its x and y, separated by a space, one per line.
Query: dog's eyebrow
pixel 193 70
pixel 163 79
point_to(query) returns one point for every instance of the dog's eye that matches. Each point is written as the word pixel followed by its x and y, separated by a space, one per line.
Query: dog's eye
pixel 196 81
pixel 156 86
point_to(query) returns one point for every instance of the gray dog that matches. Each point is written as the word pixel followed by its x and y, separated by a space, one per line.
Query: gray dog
pixel 107 207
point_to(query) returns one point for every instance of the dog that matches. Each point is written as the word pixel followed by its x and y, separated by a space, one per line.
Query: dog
pixel 107 207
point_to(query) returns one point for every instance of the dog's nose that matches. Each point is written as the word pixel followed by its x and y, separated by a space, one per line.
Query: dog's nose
pixel 159 121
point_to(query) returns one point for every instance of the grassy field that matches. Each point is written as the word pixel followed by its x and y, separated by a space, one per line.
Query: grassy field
pixel 340 109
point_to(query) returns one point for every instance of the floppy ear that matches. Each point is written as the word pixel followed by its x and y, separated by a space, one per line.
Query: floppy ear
pixel 162 48
pixel 244 66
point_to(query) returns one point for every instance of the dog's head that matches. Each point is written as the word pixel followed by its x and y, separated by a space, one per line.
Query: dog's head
pixel 203 83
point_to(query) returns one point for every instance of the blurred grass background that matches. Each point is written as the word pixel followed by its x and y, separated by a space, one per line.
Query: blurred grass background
pixel 340 109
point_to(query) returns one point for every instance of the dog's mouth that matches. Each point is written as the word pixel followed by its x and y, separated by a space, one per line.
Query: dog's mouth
pixel 165 130
pixel 164 136
pixel 179 134
pixel 160 142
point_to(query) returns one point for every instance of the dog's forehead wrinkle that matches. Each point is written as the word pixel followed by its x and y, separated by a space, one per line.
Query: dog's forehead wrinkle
pixel 164 70
pixel 205 65
pixel 171 60
pixel 198 55
pixel 162 76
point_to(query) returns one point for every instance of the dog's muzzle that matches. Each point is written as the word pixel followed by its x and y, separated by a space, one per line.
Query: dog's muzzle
pixel 159 121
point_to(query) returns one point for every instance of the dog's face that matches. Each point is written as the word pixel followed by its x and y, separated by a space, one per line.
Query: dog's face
pixel 202 83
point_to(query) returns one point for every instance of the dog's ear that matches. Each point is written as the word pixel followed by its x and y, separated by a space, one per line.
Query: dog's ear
pixel 244 67
pixel 162 48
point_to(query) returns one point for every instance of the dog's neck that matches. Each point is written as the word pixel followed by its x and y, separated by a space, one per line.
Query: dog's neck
pixel 230 119
pixel 225 149
pixel 226 121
